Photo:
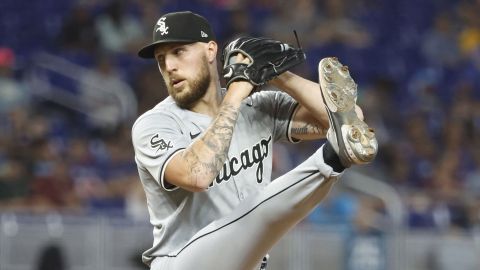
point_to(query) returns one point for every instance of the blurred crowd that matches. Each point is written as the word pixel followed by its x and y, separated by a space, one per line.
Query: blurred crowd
pixel 417 64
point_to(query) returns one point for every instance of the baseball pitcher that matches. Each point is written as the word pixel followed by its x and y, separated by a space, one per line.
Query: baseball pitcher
pixel 204 154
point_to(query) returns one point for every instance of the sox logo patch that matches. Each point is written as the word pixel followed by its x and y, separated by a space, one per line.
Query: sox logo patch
pixel 160 144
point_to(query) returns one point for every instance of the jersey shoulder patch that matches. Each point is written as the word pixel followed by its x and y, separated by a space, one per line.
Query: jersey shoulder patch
pixel 157 143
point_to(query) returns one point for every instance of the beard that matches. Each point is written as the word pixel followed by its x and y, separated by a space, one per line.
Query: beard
pixel 195 88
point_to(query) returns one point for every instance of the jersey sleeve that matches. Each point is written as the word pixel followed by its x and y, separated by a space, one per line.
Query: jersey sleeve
pixel 156 139
pixel 280 108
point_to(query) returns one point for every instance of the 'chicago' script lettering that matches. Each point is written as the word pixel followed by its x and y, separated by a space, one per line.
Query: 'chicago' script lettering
pixel 247 159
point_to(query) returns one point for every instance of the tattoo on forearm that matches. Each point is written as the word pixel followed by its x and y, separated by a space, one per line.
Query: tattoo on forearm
pixel 217 139
pixel 308 129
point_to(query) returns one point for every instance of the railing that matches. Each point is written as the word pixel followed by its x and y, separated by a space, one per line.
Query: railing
pixel 105 105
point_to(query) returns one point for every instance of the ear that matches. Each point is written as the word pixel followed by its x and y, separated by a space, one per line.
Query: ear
pixel 212 48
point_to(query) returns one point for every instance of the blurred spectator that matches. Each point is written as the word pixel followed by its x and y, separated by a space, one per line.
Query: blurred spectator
pixel 14 184
pixel 336 27
pixel 149 88
pixel 86 177
pixel 337 208
pixel 369 216
pixel 13 93
pixel 377 103
pixel 426 95
pixel 118 30
pixel 446 182
pixel 455 249
pixel 78 30
pixel 440 47
pixel 445 190
pixel 460 131
pixel 51 257
pixel 51 185
pixel 240 24
pixel 54 190
pixel 149 10
pixel 120 172
pixel 469 38
pixel 107 96
pixel 422 151
pixel 420 210
pixel 287 16
pixel 396 167
pixel 472 177
pixel 136 201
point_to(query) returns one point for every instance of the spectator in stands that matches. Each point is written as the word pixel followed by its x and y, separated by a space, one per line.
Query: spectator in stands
pixel 120 172
pixel 472 177
pixel 461 128
pixel 78 30
pixel 287 16
pixel 149 10
pixel 379 101
pixel 340 208
pixel 149 88
pixel 469 38
pixel 395 166
pixel 51 185
pixel 54 190
pixel 118 30
pixel 336 27
pixel 13 93
pixel 421 150
pixel 456 248
pixel 420 209
pixel 14 184
pixel 102 171
pixel 52 257
pixel 239 24
pixel 445 189
pixel 86 172
pixel 107 96
pixel 440 46
pixel 135 202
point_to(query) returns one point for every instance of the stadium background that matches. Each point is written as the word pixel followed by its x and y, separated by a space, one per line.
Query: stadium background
pixel 71 85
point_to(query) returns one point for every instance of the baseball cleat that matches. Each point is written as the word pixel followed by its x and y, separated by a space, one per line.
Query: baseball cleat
pixel 353 140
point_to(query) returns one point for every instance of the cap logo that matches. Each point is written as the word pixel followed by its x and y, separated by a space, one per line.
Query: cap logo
pixel 162 27
pixel 203 34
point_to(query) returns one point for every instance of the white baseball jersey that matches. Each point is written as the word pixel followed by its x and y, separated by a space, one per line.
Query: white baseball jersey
pixel 159 134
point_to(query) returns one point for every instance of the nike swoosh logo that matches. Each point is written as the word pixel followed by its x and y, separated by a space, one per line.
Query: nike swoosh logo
pixel 193 136
pixel 229 74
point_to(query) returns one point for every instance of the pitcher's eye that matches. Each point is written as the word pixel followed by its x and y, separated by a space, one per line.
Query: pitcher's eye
pixel 179 51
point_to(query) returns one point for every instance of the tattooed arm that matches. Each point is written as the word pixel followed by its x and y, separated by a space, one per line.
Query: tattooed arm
pixel 306 127
pixel 196 167
pixel 310 121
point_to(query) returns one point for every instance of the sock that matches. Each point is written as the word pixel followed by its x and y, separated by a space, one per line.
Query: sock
pixel 331 158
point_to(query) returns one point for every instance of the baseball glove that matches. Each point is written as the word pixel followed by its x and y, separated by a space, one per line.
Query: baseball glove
pixel 268 59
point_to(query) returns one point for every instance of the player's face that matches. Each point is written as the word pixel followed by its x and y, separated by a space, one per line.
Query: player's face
pixel 185 69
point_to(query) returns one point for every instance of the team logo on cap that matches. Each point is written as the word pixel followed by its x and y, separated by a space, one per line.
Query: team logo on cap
pixel 162 27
